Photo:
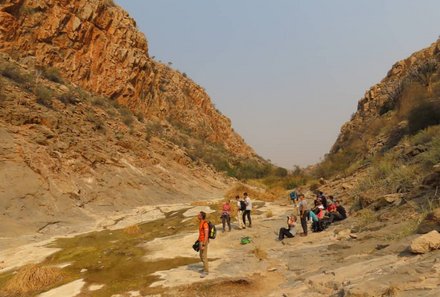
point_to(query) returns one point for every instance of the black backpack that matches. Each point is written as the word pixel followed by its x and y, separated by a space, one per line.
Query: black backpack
pixel 242 205
pixel 212 230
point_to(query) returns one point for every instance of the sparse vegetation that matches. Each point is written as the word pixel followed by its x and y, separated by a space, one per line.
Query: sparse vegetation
pixel 12 72
pixel 132 230
pixel 44 96
pixel 259 253
pixel 69 97
pixel 33 278
pixel 52 74
pixel 424 115
pixel 96 120
pixel 140 116
pixel 153 129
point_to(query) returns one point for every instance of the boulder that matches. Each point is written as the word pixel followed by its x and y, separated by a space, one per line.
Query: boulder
pixel 426 243
pixel 431 222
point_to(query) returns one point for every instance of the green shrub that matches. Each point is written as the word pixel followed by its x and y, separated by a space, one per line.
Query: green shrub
pixel 425 115
pixel 127 115
pixel 431 157
pixel 388 175
pixel 128 120
pixel 44 96
pixel 280 172
pixel 13 73
pixel 99 101
pixel 97 121
pixel 140 117
pixel 426 135
pixel 69 97
pixel 52 74
pixel 153 129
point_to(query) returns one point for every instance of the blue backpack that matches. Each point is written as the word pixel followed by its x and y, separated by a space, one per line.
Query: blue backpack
pixel 293 195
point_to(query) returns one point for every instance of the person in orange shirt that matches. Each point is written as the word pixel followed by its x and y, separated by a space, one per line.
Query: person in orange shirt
pixel 204 240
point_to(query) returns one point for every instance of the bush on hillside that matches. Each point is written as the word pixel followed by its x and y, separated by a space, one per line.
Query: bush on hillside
pixel 425 115
pixel 52 74
pixel 44 96
pixel 13 73
pixel 69 97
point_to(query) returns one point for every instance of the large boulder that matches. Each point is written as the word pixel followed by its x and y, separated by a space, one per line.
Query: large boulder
pixel 431 222
pixel 426 243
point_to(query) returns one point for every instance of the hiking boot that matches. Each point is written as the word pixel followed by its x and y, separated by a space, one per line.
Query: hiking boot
pixel 203 274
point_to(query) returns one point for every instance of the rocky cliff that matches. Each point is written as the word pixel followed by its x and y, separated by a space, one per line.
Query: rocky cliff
pixel 96 45
pixel 381 119
pixel 91 125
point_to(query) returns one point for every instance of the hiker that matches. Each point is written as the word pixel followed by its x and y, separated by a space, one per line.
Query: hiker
pixel 303 212
pixel 314 219
pixel 318 225
pixel 241 207
pixel 203 240
pixel 290 230
pixel 341 210
pixel 247 212
pixel 323 199
pixel 226 215
pixel 294 198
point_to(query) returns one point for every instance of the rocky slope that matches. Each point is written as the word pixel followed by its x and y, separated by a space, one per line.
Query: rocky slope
pixel 96 45
pixel 90 124
pixel 381 119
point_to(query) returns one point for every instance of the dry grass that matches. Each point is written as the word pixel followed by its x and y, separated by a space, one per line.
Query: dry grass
pixel 269 214
pixel 33 278
pixel 133 230
pixel 259 253
pixel 253 192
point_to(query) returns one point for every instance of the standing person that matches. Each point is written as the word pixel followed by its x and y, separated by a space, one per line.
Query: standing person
pixel 241 207
pixel 203 240
pixel 290 230
pixel 226 215
pixel 294 198
pixel 247 212
pixel 303 212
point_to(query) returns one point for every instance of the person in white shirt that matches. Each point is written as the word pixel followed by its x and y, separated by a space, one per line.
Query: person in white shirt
pixel 247 212
pixel 290 230
pixel 241 207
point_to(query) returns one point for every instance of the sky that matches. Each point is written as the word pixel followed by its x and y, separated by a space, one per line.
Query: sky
pixel 288 73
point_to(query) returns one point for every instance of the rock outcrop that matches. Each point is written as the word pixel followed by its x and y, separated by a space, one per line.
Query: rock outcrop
pixel 96 45
pixel 115 131
pixel 373 128
pixel 426 243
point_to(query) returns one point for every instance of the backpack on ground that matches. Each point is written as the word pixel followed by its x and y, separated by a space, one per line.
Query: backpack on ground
pixel 242 205
pixel 212 230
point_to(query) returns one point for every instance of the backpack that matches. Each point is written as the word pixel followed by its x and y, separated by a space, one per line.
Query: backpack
pixel 293 195
pixel 242 205
pixel 212 230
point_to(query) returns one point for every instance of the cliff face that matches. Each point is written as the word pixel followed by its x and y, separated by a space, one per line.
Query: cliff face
pixel 96 45
pixel 90 125
pixel 381 118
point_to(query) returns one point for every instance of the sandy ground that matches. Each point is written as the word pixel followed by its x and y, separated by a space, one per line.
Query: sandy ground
pixel 68 290
pixel 329 263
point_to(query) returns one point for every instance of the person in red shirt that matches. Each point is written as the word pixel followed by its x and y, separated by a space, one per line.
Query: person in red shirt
pixel 226 215
pixel 203 240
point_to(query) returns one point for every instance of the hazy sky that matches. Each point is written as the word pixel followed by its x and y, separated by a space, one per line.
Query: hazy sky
pixel 288 73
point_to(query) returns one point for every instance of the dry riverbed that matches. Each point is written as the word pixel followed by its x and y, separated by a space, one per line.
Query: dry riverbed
pixel 148 253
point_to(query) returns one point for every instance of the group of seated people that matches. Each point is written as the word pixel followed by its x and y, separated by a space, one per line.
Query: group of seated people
pixel 325 211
